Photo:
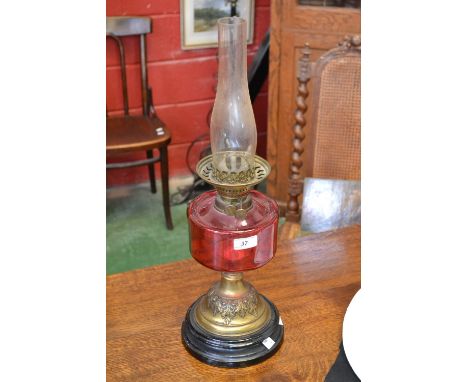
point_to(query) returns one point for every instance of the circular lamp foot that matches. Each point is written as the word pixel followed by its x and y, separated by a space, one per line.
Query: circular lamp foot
pixel 232 351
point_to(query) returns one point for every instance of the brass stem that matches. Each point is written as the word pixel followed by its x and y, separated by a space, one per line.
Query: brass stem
pixel 232 307
pixel 232 285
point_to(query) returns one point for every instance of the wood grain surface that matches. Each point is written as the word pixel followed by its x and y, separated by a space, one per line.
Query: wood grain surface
pixel 311 280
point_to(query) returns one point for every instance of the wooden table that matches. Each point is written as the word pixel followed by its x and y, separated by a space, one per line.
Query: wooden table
pixel 311 280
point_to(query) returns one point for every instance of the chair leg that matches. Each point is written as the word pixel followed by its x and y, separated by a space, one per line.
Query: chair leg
pixel 152 176
pixel 165 186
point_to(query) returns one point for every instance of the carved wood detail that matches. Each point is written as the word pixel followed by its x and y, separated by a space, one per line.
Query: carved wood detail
pixel 295 180
pixel 351 41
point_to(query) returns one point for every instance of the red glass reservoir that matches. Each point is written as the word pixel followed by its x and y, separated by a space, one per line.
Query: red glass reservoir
pixel 230 244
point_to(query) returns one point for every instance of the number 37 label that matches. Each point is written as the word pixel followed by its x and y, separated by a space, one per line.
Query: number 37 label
pixel 246 242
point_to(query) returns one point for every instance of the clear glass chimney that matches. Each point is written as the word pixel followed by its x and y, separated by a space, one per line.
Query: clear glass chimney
pixel 233 131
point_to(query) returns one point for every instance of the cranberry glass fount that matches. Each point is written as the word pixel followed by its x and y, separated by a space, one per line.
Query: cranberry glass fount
pixel 232 229
pixel 229 243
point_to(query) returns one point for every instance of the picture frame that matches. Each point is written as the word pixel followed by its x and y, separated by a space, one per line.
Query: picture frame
pixel 198 26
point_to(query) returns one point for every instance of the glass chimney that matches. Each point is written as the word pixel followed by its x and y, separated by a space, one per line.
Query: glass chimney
pixel 233 131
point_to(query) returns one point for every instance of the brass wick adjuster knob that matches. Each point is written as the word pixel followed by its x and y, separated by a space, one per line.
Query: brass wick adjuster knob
pixel 232 210
pixel 237 207
pixel 240 213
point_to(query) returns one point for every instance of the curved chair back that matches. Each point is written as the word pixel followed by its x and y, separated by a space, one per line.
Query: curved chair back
pixel 120 26
pixel 335 152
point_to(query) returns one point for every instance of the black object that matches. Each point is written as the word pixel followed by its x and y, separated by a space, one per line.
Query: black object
pixel 258 70
pixel 341 371
pixel 332 3
pixel 233 8
pixel 231 352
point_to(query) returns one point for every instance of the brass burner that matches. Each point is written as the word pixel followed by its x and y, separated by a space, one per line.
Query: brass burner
pixel 233 183
pixel 233 187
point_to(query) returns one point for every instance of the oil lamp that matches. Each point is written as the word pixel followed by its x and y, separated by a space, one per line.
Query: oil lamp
pixel 232 228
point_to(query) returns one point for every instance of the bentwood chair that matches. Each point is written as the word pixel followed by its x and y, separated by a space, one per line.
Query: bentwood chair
pixel 145 131
pixel 335 152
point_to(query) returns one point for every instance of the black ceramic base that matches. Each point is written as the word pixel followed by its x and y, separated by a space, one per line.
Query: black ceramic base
pixel 232 351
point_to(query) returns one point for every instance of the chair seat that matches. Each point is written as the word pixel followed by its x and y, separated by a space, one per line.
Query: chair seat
pixel 130 133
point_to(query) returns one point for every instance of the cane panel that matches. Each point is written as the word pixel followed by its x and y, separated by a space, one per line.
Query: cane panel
pixel 337 151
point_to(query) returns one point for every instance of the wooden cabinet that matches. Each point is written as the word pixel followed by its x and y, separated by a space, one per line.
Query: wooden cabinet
pixel 293 25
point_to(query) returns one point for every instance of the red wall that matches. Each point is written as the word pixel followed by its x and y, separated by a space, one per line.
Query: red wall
pixel 183 82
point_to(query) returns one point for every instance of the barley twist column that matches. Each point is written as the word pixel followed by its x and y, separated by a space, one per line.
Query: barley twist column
pixel 295 180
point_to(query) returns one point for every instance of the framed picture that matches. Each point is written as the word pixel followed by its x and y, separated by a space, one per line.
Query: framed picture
pixel 198 21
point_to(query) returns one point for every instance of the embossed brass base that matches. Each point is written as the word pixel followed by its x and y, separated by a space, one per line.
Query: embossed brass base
pixel 232 325
pixel 232 307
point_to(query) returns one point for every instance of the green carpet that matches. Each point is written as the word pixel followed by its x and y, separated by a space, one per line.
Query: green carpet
pixel 136 231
